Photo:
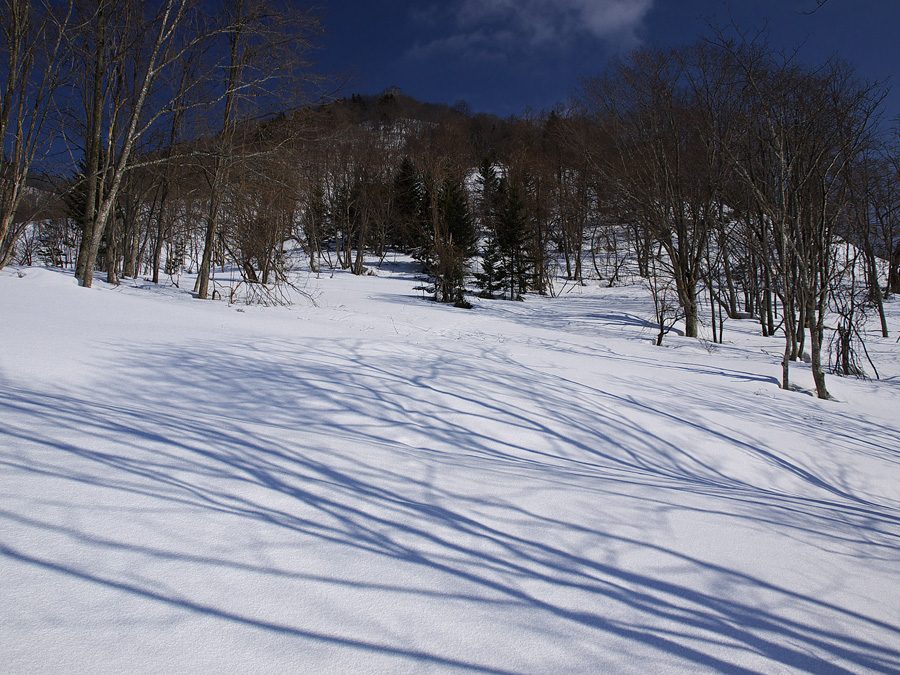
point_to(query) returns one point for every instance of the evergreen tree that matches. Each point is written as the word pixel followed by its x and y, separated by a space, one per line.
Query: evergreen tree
pixel 458 222
pixel 314 221
pixel 75 201
pixel 488 203
pixel 57 242
pixel 491 280
pixel 512 240
pixel 492 277
pixel 448 241
pixel 461 243
pixel 426 238
pixel 176 251
pixel 408 206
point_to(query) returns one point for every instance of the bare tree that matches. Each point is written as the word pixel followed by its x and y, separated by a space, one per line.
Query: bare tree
pixel 867 192
pixel 264 69
pixel 35 64
pixel 803 129
pixel 659 111
pixel 888 215
pixel 132 50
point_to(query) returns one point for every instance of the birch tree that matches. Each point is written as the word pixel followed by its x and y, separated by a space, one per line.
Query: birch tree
pixel 135 48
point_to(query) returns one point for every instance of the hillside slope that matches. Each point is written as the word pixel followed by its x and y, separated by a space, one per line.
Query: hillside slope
pixel 375 483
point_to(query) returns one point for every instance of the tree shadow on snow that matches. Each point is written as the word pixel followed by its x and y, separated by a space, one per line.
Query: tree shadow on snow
pixel 360 448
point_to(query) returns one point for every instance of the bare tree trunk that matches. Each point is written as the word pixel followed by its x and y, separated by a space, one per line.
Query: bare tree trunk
pixel 92 161
pixel 691 309
pixel 131 236
pixel 816 334
pixel 224 157
pixel 112 252
pixel 212 225
pixel 162 228
pixel 875 290
pixel 786 360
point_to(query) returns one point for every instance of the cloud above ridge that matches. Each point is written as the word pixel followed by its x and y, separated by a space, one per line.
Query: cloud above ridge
pixel 494 29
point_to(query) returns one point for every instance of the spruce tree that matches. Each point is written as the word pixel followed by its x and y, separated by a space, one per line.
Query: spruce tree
pixel 458 222
pixel 489 185
pixel 512 240
pixel 492 277
pixel 461 243
pixel 449 240
pixel 427 240
pixel 408 205
pixel 75 202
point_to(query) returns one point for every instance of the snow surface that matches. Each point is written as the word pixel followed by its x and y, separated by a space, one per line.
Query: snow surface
pixel 379 484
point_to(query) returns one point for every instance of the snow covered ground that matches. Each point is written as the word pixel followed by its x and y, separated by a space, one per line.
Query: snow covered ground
pixel 379 484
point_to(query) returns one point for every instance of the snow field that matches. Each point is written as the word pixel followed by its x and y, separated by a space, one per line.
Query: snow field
pixel 375 483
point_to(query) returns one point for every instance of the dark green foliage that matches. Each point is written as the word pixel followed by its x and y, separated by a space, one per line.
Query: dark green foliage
pixel 426 240
pixel 458 223
pixel 448 241
pixel 176 252
pixel 488 203
pixel 492 277
pixel 408 206
pixel 512 241
pixel 491 280
pixel 76 197
pixel 75 201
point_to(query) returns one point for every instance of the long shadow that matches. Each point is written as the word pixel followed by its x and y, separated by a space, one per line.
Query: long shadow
pixel 262 420
pixel 182 603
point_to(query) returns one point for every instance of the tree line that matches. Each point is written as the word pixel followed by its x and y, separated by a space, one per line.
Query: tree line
pixel 764 181
pixel 736 180
pixel 130 93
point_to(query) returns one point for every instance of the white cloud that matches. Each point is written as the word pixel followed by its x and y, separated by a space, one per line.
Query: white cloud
pixel 549 23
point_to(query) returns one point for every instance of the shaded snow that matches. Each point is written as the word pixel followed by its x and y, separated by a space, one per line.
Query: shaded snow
pixel 376 483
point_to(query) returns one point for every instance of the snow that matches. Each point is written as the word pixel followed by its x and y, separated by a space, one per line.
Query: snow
pixel 376 483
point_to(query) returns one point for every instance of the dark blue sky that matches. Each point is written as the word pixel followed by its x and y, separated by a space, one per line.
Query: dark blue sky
pixel 505 55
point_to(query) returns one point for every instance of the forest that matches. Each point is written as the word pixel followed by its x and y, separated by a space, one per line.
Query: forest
pixel 148 139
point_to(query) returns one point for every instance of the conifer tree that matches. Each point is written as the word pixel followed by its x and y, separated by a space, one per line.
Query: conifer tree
pixel 492 277
pixel 455 211
pixel 512 240
pixel 489 184
pixel 75 201
pixel 408 206
pixel 448 240
pixel 461 240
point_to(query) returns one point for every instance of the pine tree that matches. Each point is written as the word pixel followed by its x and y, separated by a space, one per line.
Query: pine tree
pixel 461 243
pixel 57 242
pixel 458 222
pixel 426 239
pixel 75 201
pixel 176 251
pixel 512 240
pixel 489 185
pixel 448 240
pixel 492 277
pixel 408 204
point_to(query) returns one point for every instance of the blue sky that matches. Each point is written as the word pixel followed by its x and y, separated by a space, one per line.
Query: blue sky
pixel 503 56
